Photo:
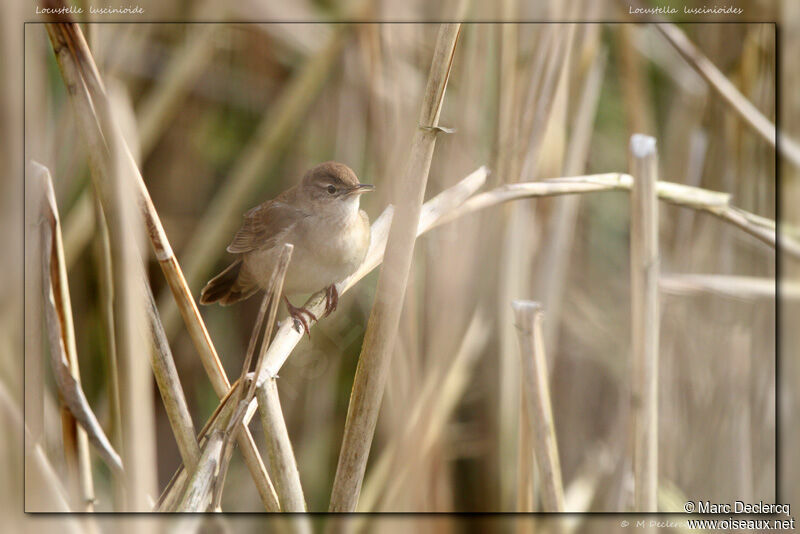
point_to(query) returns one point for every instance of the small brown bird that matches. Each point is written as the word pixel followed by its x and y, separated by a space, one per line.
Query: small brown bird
pixel 320 216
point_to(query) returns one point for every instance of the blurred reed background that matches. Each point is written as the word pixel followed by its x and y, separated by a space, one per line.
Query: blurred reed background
pixel 203 106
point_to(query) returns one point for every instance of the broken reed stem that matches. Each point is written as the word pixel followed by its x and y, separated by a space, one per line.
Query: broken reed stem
pixel 645 317
pixel 63 350
pixel 788 147
pixel 199 487
pixel 175 488
pixel 96 123
pixel 373 364
pixel 536 393
pixel 280 456
pixel 271 300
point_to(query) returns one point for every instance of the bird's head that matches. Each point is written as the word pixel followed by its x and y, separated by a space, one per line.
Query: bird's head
pixel 333 186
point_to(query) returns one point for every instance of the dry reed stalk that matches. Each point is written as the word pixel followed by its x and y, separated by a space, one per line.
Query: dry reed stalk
pixel 81 77
pixel 51 494
pixel 739 287
pixel 541 103
pixel 645 320
pixel 370 378
pixel 633 82
pixel 169 386
pixel 536 391
pixel 126 238
pixel 539 125
pixel 438 398
pixel 176 487
pixel 280 456
pixel 715 203
pixel 79 226
pixel 106 295
pixel 270 301
pixel 46 492
pixel 130 331
pixel 63 353
pixel 736 100
pixel 526 476
pixel 34 348
pixel 263 152
pixel 556 255
pixel 507 166
pixel 198 492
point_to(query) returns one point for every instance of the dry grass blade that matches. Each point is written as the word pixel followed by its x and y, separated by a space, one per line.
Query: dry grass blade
pixel 645 320
pixel 58 316
pixel 378 345
pixel 87 96
pixel 751 115
pixel 536 391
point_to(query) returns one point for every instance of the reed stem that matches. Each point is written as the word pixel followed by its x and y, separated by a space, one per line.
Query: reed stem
pixel 645 318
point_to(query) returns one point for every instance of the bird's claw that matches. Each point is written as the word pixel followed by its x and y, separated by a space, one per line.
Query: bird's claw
pixel 298 314
pixel 331 299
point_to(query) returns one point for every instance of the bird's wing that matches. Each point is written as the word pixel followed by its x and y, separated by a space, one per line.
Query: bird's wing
pixel 264 226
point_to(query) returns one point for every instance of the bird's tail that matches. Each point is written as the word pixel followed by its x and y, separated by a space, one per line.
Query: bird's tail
pixel 227 287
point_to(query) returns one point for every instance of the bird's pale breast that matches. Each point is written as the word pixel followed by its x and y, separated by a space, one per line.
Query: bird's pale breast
pixel 326 251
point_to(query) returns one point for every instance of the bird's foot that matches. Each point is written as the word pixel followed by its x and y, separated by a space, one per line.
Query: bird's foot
pixel 301 315
pixel 331 299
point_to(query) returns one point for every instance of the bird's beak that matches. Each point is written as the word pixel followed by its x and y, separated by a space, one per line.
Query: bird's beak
pixel 362 188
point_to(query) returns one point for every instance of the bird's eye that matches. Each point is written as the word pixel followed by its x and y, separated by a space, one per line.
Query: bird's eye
pixel 331 189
